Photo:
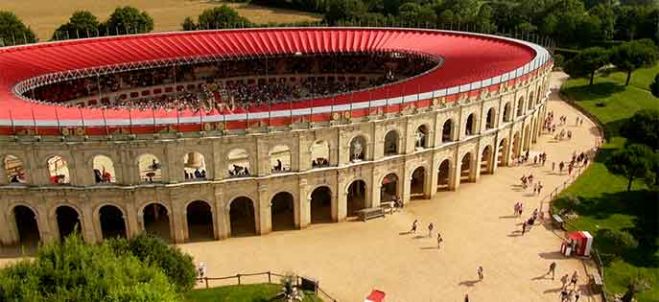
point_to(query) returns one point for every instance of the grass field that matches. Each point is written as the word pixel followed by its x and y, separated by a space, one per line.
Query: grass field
pixel 239 293
pixel 44 16
pixel 604 200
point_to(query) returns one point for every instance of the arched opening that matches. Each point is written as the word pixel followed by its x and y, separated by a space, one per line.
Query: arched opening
pixel 14 169
pixel 389 189
pixel 417 183
pixel 391 143
pixel 150 168
pixel 470 125
pixel 200 221
pixel 283 212
pixel 68 221
pixel 421 137
pixel 501 153
pixel 527 137
pixel 486 160
pixel 531 100
pixel 103 169
pixel 280 159
pixel 194 166
pixel 58 170
pixel 156 221
pixel 516 145
pixel 507 112
pixel 443 175
pixel 491 119
pixel 238 163
pixel 358 149
pixel 241 217
pixel 447 131
pixel 320 154
pixel 113 224
pixel 356 197
pixel 321 205
pixel 465 168
pixel 26 224
pixel 520 107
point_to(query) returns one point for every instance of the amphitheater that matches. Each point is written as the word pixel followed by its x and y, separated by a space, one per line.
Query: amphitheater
pixel 81 160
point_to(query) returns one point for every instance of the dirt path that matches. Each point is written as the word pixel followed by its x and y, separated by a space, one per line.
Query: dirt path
pixel 476 223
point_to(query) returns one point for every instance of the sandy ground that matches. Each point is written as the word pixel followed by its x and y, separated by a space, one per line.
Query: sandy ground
pixel 352 258
pixel 44 16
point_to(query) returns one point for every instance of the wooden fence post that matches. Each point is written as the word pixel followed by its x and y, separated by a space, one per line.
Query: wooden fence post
pixel 206 281
pixel 269 277
pixel 238 275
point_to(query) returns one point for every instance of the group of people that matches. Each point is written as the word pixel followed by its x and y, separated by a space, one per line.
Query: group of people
pixel 431 227
pixel 237 170
pixel 196 175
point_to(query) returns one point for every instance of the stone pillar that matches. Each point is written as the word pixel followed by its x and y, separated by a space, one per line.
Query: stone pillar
pixel 177 223
pixel 9 235
pixel 303 205
pixel 132 219
pixel 454 174
pixel 475 172
pixel 221 215
pixel 219 162
pixel 3 172
pixel 406 185
pixel 433 177
pixel 340 206
pixel 263 210
pixel 376 190
pixel 87 225
pixel 172 168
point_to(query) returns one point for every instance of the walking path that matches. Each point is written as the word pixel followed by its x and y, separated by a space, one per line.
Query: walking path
pixel 477 224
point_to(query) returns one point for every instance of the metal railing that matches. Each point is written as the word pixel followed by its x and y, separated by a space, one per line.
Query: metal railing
pixel 264 277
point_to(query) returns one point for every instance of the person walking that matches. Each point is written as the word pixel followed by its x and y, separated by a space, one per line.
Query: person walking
pixel 439 240
pixel 552 269
pixel 561 165
pixel 414 226
pixel 480 273
pixel 564 280
pixel 466 297
pixel 430 228
pixel 577 295
pixel 574 279
pixel 523 227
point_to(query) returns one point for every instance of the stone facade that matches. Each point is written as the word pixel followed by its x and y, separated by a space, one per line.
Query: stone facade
pixel 505 137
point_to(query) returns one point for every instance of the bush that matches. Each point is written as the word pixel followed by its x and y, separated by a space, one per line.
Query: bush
pixel 614 243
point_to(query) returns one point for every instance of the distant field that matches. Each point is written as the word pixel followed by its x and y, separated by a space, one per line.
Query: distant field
pixel 43 16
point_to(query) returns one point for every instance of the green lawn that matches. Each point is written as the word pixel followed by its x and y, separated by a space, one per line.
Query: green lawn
pixel 240 293
pixel 604 200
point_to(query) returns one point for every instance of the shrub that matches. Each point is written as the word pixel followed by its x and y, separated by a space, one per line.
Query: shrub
pixel 613 242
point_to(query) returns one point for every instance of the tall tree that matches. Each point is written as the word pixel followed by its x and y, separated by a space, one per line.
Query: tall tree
pixel 344 10
pixel 630 56
pixel 128 20
pixel 13 31
pixel 220 17
pixel 412 13
pixel 587 62
pixel 82 24
pixel 633 161
pixel 642 128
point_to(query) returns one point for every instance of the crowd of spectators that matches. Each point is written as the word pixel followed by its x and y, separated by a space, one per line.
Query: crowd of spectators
pixel 318 76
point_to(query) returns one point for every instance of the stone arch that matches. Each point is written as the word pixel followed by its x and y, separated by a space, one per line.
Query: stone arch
pixel 68 220
pixel 444 175
pixel 150 168
pixel 103 169
pixel 282 210
pixel 199 218
pixel 490 121
pixel 194 166
pixel 27 226
pixel 487 160
pixel 389 187
pixel 358 148
pixel 422 136
pixel 520 106
pixel 502 152
pixel 112 221
pixel 448 130
pixel 280 158
pixel 417 183
pixel 58 170
pixel 471 125
pixel 466 167
pixel 320 154
pixel 516 145
pixel 157 220
pixel 14 169
pixel 238 163
pixel 321 204
pixel 391 143
pixel 356 198
pixel 531 101
pixel 242 217
pixel 507 112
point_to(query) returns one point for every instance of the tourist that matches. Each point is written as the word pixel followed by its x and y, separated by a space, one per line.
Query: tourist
pixel 539 187
pixel 574 279
pixel 577 294
pixel 553 166
pixel 565 295
pixel 561 165
pixel 466 297
pixel 480 273
pixel 430 227
pixel 552 270
pixel 523 227
pixel 414 225
pixel 439 240
pixel 564 280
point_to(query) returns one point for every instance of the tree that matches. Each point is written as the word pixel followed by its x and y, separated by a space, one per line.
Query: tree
pixel 633 161
pixel 343 10
pixel 654 86
pixel 176 265
pixel 82 24
pixel 412 13
pixel 128 20
pixel 76 271
pixel 587 62
pixel 615 242
pixel 642 128
pixel 220 17
pixel 630 56
pixel 13 31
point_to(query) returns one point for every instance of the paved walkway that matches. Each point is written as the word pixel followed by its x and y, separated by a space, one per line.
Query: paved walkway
pixel 477 225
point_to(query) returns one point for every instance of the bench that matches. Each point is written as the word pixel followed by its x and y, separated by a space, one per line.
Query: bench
pixel 596 281
pixel 369 213
pixel 558 221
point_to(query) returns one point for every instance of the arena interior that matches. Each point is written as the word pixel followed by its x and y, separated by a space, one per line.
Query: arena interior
pixel 215 134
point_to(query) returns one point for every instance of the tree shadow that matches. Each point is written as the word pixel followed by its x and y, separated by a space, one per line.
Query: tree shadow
pixel 597 91
pixel 551 255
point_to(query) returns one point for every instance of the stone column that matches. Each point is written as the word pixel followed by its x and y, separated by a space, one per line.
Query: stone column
pixel 303 205
pixel 177 223
pixel 454 173
pixel 433 177
pixel 3 172
pixel 221 215
pixel 340 206
pixel 263 210
pixel 376 189
pixel 132 220
pixel 87 224
pixel 10 234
